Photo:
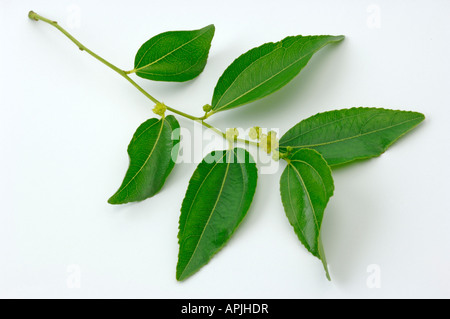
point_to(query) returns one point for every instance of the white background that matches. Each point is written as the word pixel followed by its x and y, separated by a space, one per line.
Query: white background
pixel 66 121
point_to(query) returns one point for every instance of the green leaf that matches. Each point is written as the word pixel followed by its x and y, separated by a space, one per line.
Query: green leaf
pixel 306 186
pixel 218 197
pixel 153 152
pixel 174 56
pixel 346 135
pixel 265 69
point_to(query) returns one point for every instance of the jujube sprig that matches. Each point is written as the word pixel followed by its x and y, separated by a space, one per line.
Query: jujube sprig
pixel 221 189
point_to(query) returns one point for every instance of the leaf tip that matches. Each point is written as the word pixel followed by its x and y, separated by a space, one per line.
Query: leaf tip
pixel 113 200
pixel 327 274
pixel 209 29
pixel 180 275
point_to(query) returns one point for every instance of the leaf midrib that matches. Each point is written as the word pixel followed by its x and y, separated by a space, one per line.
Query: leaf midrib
pixel 320 252
pixel 316 171
pixel 198 191
pixel 356 136
pixel 209 218
pixel 257 86
pixel 248 66
pixel 167 54
pixel 276 74
pixel 321 126
pixel 309 197
pixel 292 208
pixel 148 158
pixel 173 74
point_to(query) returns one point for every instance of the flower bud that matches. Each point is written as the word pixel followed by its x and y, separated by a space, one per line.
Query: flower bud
pixel 207 108
pixel 160 109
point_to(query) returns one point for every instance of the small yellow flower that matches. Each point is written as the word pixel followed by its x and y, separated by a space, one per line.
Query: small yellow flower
pixel 254 133
pixel 269 142
pixel 160 109
pixel 232 134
